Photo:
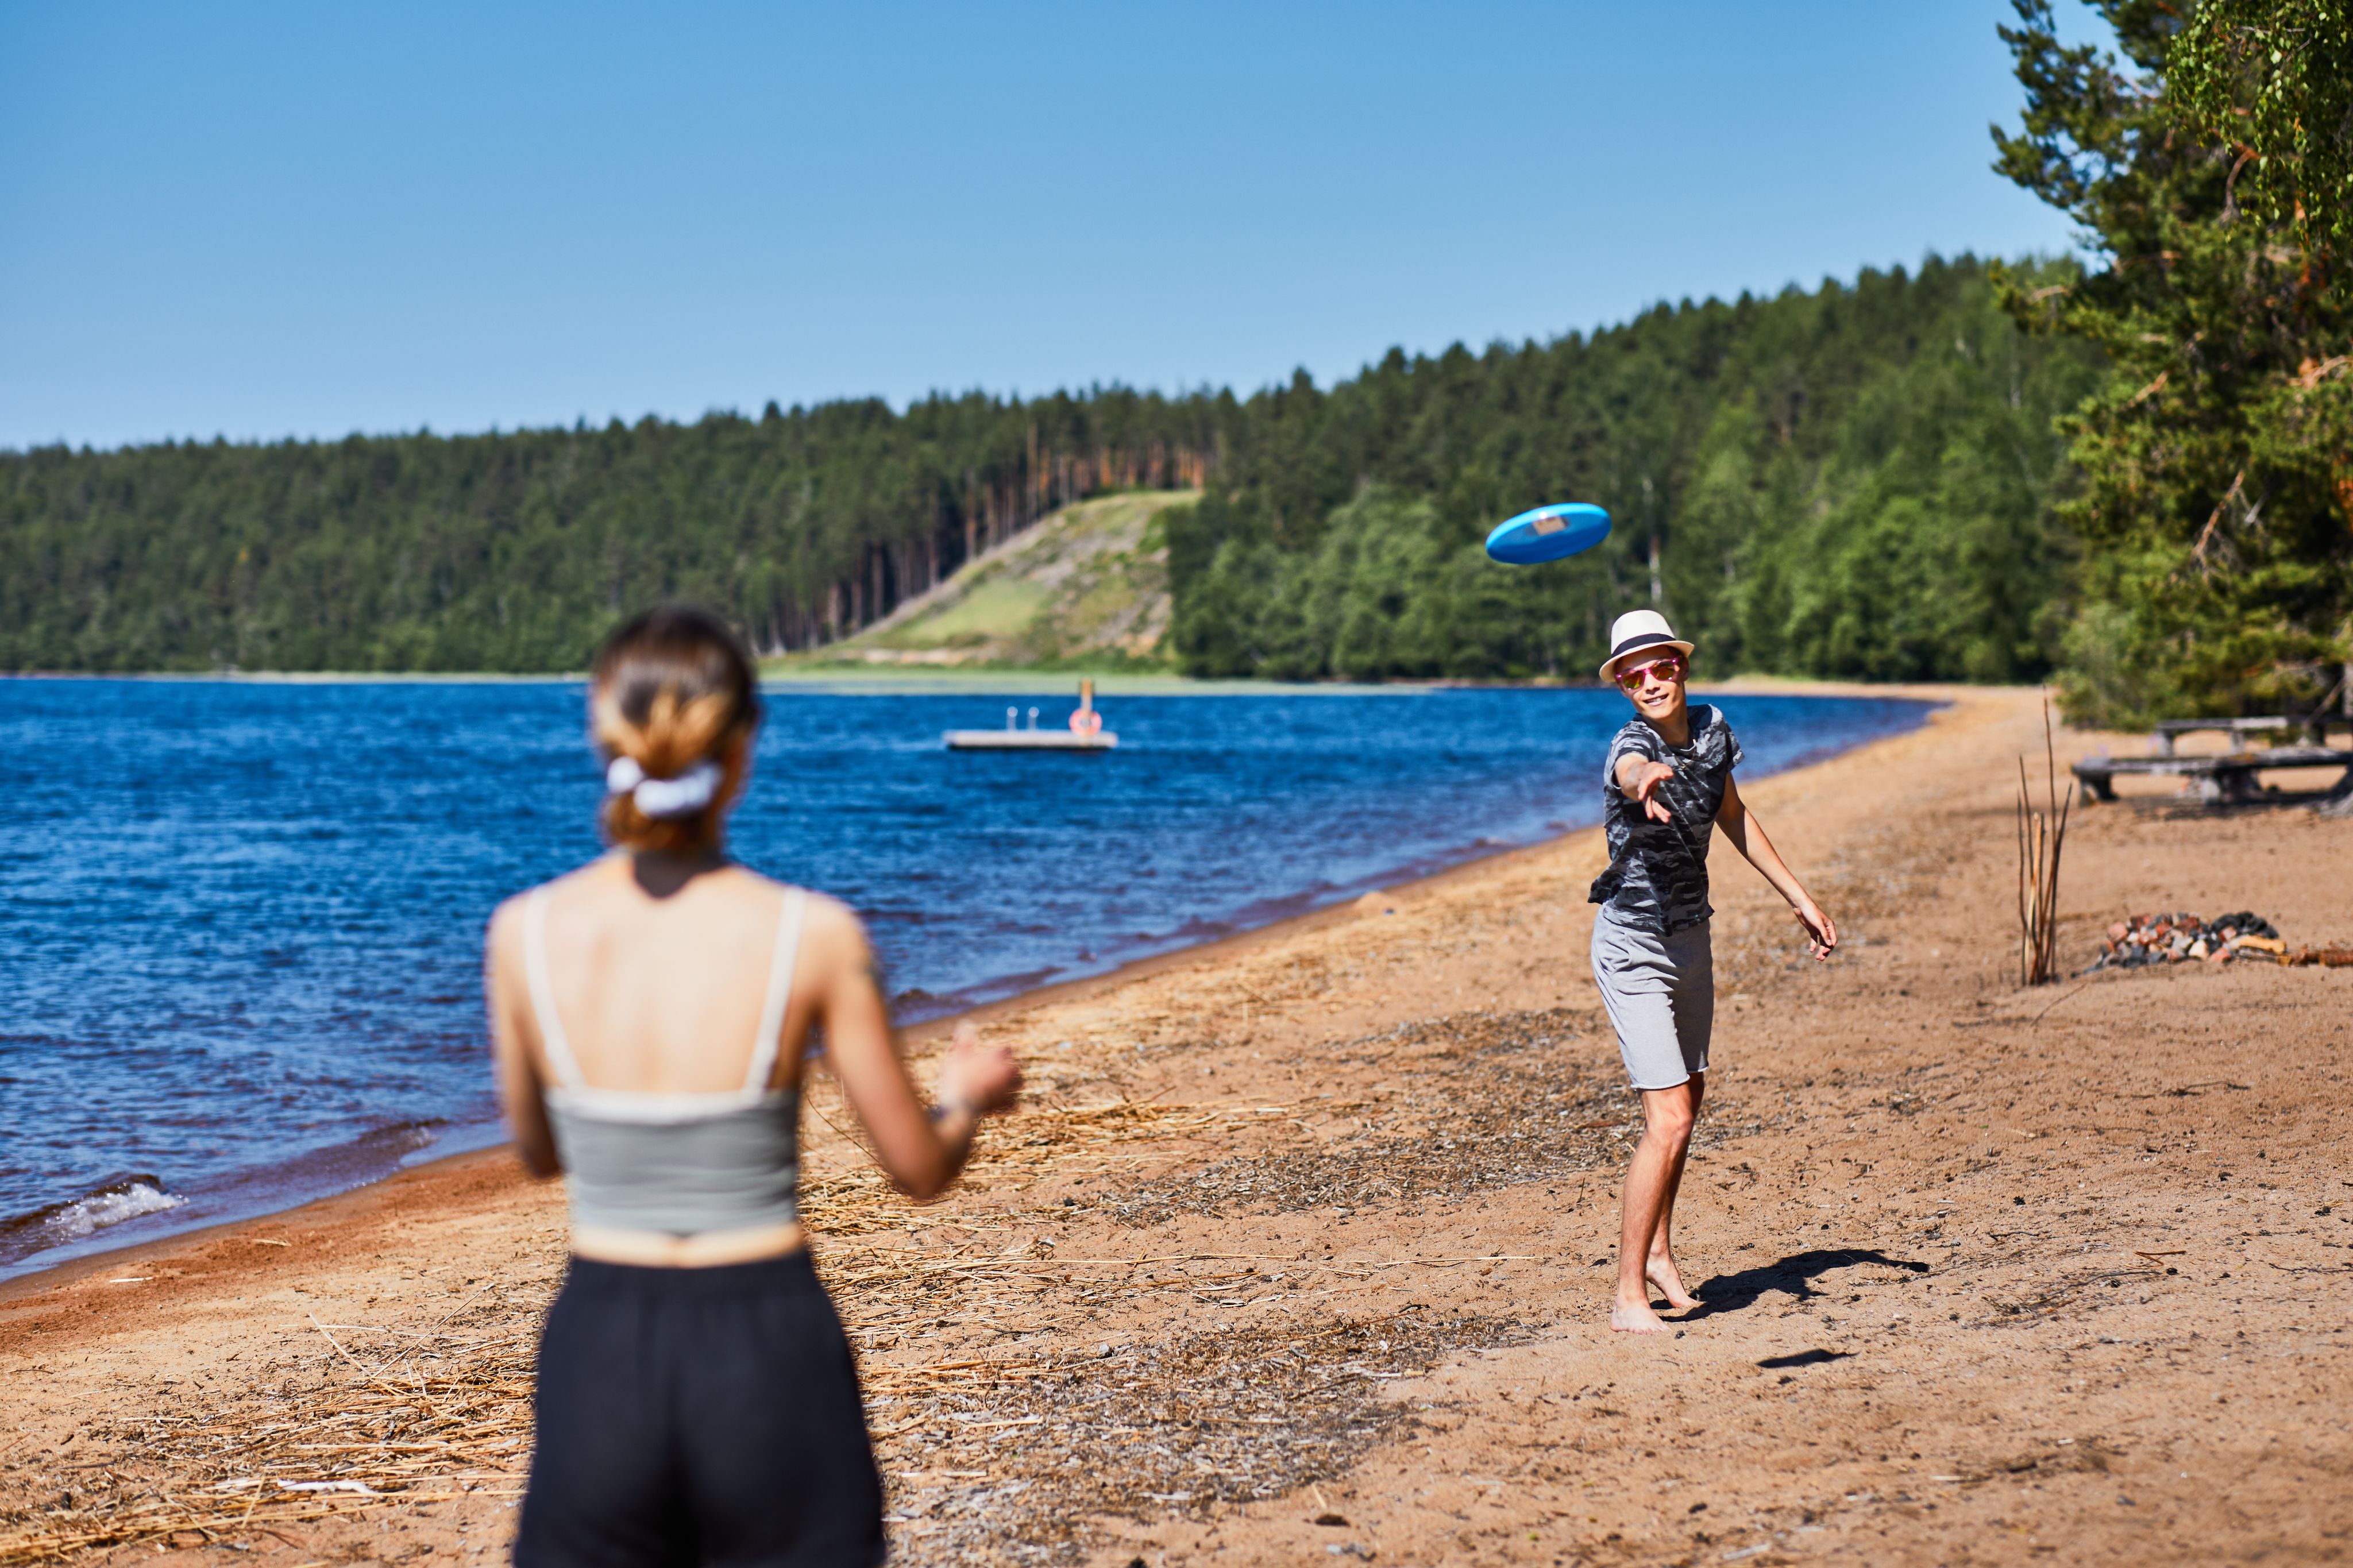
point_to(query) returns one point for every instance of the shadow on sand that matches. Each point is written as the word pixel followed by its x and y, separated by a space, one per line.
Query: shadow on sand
pixel 1807 1357
pixel 1793 1276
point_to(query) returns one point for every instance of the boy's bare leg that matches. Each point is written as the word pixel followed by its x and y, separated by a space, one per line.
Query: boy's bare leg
pixel 1659 1266
pixel 1650 1179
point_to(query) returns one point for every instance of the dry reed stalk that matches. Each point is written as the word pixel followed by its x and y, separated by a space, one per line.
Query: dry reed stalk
pixel 2042 836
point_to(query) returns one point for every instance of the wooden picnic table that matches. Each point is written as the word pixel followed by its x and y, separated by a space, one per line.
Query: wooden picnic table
pixel 2225 779
pixel 2315 728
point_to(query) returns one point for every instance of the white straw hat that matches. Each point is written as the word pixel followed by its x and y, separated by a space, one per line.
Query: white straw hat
pixel 1636 631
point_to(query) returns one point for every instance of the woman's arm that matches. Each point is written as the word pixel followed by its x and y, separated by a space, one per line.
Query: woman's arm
pixel 1748 836
pixel 513 1028
pixel 919 1151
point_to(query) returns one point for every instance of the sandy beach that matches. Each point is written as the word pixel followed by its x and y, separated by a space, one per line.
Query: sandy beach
pixel 1298 1252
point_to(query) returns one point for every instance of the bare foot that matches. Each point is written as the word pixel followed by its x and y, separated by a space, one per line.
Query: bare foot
pixel 1635 1317
pixel 1662 1275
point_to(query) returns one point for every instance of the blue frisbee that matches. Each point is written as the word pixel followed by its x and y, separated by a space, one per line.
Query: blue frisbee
pixel 1549 533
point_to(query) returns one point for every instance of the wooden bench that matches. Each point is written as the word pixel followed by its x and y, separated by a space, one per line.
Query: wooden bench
pixel 2222 780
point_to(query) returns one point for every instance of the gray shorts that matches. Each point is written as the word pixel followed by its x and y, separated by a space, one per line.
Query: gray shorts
pixel 1661 993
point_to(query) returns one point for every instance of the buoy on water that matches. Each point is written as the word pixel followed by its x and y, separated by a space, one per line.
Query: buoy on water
pixel 1086 733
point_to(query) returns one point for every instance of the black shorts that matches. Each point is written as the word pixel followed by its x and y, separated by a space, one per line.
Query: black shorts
pixel 699 1416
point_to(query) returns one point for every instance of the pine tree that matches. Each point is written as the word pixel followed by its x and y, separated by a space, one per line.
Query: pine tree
pixel 2217 501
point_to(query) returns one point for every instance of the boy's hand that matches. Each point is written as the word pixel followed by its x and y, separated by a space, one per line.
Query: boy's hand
pixel 1644 788
pixel 1821 935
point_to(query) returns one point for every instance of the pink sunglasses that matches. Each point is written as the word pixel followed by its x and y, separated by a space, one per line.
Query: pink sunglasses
pixel 1671 667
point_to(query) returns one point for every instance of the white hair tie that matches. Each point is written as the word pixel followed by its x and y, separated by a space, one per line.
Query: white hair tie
pixel 663 799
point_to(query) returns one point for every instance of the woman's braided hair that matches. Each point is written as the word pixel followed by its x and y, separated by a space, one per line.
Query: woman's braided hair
pixel 671 688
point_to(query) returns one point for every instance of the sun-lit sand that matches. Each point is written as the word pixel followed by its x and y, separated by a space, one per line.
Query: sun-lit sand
pixel 1300 1246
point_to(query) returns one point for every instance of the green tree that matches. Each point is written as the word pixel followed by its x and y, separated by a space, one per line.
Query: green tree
pixel 2217 491
pixel 2272 79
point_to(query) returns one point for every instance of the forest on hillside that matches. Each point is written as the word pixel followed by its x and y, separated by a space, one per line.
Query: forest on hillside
pixel 516 551
pixel 1855 481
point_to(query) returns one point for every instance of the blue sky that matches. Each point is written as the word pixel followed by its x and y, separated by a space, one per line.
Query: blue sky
pixel 264 220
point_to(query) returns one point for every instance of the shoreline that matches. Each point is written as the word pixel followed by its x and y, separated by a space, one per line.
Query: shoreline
pixel 1314 1222
pixel 886 679
pixel 1343 908
pixel 326 1209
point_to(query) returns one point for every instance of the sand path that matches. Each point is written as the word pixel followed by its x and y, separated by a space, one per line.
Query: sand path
pixel 1310 1228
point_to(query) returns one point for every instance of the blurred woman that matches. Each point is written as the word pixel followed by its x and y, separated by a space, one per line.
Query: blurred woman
pixel 696 1398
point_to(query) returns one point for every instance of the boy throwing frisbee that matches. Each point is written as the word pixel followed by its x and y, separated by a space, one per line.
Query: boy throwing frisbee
pixel 1667 783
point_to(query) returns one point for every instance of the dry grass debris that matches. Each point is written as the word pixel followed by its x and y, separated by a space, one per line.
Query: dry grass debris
pixel 1157 1430
pixel 1475 1101
pixel 373 1416
pixel 383 1414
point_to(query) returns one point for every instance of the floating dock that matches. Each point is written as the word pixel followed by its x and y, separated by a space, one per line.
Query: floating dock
pixel 1030 740
pixel 1086 732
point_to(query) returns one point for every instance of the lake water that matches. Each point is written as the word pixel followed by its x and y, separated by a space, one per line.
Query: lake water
pixel 240 922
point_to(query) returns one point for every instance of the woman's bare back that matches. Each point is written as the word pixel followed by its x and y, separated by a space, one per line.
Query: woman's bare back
pixel 664 994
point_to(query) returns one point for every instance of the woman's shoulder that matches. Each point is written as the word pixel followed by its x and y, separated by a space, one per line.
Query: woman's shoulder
pixel 832 938
pixel 511 910
pixel 822 914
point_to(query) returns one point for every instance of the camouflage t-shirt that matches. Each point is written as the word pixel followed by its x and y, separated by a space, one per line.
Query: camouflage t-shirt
pixel 1657 879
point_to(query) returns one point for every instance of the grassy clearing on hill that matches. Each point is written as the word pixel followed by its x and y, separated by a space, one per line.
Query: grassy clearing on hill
pixel 1086 588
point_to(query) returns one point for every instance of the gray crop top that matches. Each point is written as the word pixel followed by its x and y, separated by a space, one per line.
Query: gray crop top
pixel 676 1163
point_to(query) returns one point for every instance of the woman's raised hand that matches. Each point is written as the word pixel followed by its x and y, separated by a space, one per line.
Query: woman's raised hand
pixel 983 1078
